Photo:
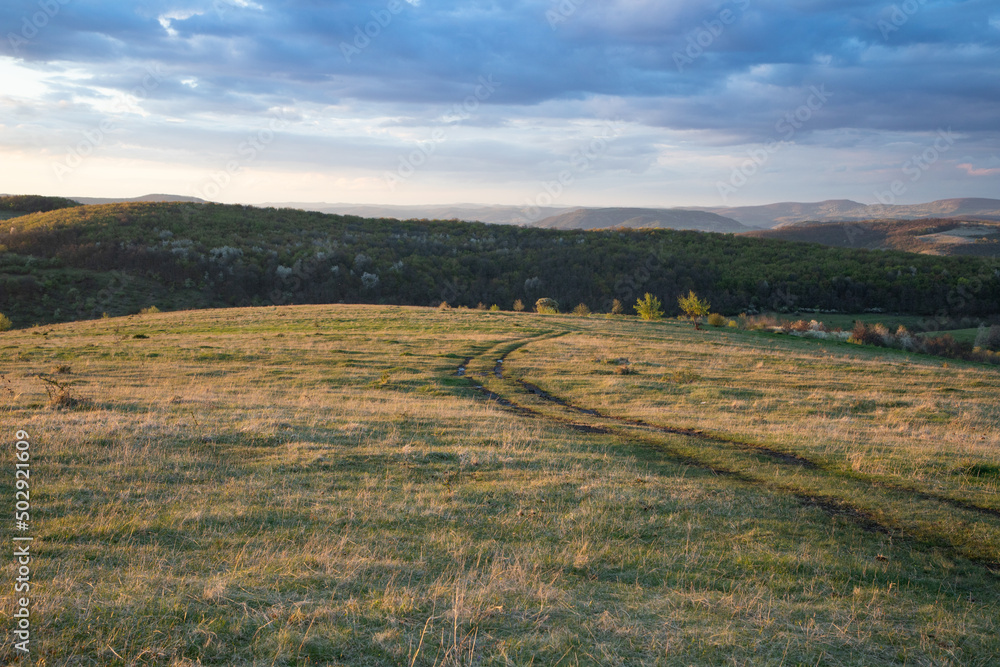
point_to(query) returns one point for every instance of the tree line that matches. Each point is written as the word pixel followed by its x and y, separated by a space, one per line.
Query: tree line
pixel 84 261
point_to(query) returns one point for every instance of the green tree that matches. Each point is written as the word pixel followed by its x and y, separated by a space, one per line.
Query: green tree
pixel 694 307
pixel 649 307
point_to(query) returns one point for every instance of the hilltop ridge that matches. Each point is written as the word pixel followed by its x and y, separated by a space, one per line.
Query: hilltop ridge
pixel 83 261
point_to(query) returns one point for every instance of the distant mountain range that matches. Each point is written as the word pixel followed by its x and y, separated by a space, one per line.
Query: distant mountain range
pixel 928 236
pixel 637 218
pixel 502 215
pixel 790 213
pixel 726 219
pixel 145 198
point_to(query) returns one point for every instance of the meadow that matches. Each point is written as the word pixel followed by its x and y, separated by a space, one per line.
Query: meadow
pixel 372 485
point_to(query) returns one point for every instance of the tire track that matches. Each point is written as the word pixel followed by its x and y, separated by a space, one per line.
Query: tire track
pixel 831 505
pixel 780 456
pixel 783 457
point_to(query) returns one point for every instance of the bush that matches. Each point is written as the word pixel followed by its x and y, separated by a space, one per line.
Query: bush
pixel 866 334
pixel 946 346
pixel 681 377
pixel 149 311
pixel 762 322
pixel 547 306
pixel 988 338
pixel 581 309
pixel 649 307
pixel 693 307
pixel 5 323
pixel 617 308
pixel 716 320
pixel 518 306
pixel 444 306
pixel 494 308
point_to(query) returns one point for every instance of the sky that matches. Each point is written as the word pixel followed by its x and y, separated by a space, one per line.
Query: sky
pixel 518 102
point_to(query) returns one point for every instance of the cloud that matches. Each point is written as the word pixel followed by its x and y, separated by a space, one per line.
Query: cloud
pixel 368 75
pixel 974 171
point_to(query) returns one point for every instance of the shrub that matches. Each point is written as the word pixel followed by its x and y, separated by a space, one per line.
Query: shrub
pixel 693 307
pixel 518 306
pixel 866 334
pixel 547 306
pixel 494 308
pixel 59 393
pixel 149 311
pixel 5 323
pixel 444 306
pixel 905 339
pixel 988 338
pixel 882 332
pixel 716 320
pixel 762 322
pixel 617 308
pixel 649 307
pixel 681 377
pixel 480 306
pixel 945 346
pixel 581 309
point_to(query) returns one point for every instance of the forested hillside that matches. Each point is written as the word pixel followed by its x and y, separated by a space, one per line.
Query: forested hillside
pixel 927 236
pixel 14 205
pixel 118 258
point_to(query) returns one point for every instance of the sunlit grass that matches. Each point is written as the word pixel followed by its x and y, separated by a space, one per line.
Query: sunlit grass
pixel 315 485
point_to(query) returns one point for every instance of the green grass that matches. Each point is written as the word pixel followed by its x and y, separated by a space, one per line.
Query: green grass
pixel 961 335
pixel 317 485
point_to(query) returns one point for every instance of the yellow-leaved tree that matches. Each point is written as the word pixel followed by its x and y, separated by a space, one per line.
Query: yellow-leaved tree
pixel 694 307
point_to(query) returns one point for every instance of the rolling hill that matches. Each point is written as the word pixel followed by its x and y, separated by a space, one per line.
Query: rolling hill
pixel 85 261
pixel 143 198
pixel 378 485
pixel 926 236
pixel 580 217
pixel 642 218
pixel 503 215
pixel 836 210
pixel 12 206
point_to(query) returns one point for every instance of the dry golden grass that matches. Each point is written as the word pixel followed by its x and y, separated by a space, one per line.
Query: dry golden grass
pixel 315 485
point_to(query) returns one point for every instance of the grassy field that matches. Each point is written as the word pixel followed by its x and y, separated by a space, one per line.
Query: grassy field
pixel 350 485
